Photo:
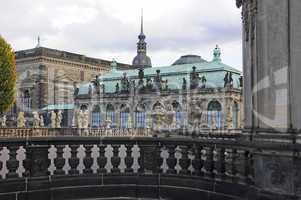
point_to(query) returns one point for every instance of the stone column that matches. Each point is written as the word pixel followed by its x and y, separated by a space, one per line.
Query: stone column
pixel 272 96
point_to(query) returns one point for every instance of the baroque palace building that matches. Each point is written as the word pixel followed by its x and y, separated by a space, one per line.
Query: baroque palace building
pixel 192 92
pixel 47 78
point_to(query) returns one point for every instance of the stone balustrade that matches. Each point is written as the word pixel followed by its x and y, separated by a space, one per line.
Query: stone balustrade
pixel 82 167
pixel 116 132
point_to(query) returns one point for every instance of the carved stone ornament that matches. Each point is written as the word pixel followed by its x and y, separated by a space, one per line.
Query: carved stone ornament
pixel 249 10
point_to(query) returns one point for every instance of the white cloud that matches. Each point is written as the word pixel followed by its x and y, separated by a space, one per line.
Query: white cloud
pixel 109 28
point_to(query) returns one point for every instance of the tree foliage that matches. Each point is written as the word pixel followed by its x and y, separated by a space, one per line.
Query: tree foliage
pixel 7 76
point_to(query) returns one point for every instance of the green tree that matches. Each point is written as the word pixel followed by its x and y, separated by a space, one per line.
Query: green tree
pixel 7 76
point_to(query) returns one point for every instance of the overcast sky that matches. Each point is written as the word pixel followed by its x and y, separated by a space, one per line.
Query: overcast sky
pixel 109 28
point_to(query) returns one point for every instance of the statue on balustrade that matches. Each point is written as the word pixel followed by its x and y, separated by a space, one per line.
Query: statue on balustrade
pixel 158 80
pixel 125 84
pixel 59 118
pixel 194 79
pixel 117 88
pixel 203 80
pixel 53 119
pixel 85 119
pixel 21 121
pixel 141 77
pixel 36 119
pixel 42 121
pixel 3 121
pixel 184 84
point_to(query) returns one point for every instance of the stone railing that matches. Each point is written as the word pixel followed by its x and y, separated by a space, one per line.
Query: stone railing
pixel 89 167
pixel 116 132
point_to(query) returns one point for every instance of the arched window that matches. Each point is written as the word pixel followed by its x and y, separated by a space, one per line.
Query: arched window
pixel 235 111
pixel 140 116
pixel 215 113
pixel 110 113
pixel 83 107
pixel 124 116
pixel 179 114
pixel 96 116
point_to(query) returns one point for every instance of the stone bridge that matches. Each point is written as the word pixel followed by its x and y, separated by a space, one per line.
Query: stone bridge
pixel 36 167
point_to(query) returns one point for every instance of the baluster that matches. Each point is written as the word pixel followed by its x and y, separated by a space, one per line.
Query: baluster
pixel 88 160
pixel 74 160
pixel 171 160
pixel 129 160
pixel 59 161
pixel 241 164
pixel 159 159
pixel 1 163
pixel 219 163
pixel 115 159
pixel 102 160
pixel 184 160
pixel 196 162
pixel 12 164
pixel 208 162
pixel 230 170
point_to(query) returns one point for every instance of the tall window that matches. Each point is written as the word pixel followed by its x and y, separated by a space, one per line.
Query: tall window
pixel 26 101
pixel 235 111
pixel 96 117
pixel 140 116
pixel 124 116
pixel 179 114
pixel 110 113
pixel 215 114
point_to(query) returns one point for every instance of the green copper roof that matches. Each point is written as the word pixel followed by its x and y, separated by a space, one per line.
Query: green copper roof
pixel 213 71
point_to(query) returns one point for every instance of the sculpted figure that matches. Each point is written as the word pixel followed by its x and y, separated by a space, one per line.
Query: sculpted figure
pixel 59 118
pixel 85 119
pixel 53 119
pixel 79 118
pixel 194 79
pixel 21 120
pixel 42 121
pixel 125 84
pixel 36 119
pixel 3 121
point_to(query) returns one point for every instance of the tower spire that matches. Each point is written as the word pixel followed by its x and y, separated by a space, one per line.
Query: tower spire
pixel 141 20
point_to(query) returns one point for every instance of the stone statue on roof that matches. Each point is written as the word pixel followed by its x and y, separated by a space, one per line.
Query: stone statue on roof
pixel 194 79
pixel 228 80
pixel 149 83
pixel 203 80
pixel 125 84
pixel 184 84
pixel 117 88
pixel 158 80
pixel 141 77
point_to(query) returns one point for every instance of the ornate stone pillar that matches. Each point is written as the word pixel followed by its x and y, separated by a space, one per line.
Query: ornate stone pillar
pixel 271 63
